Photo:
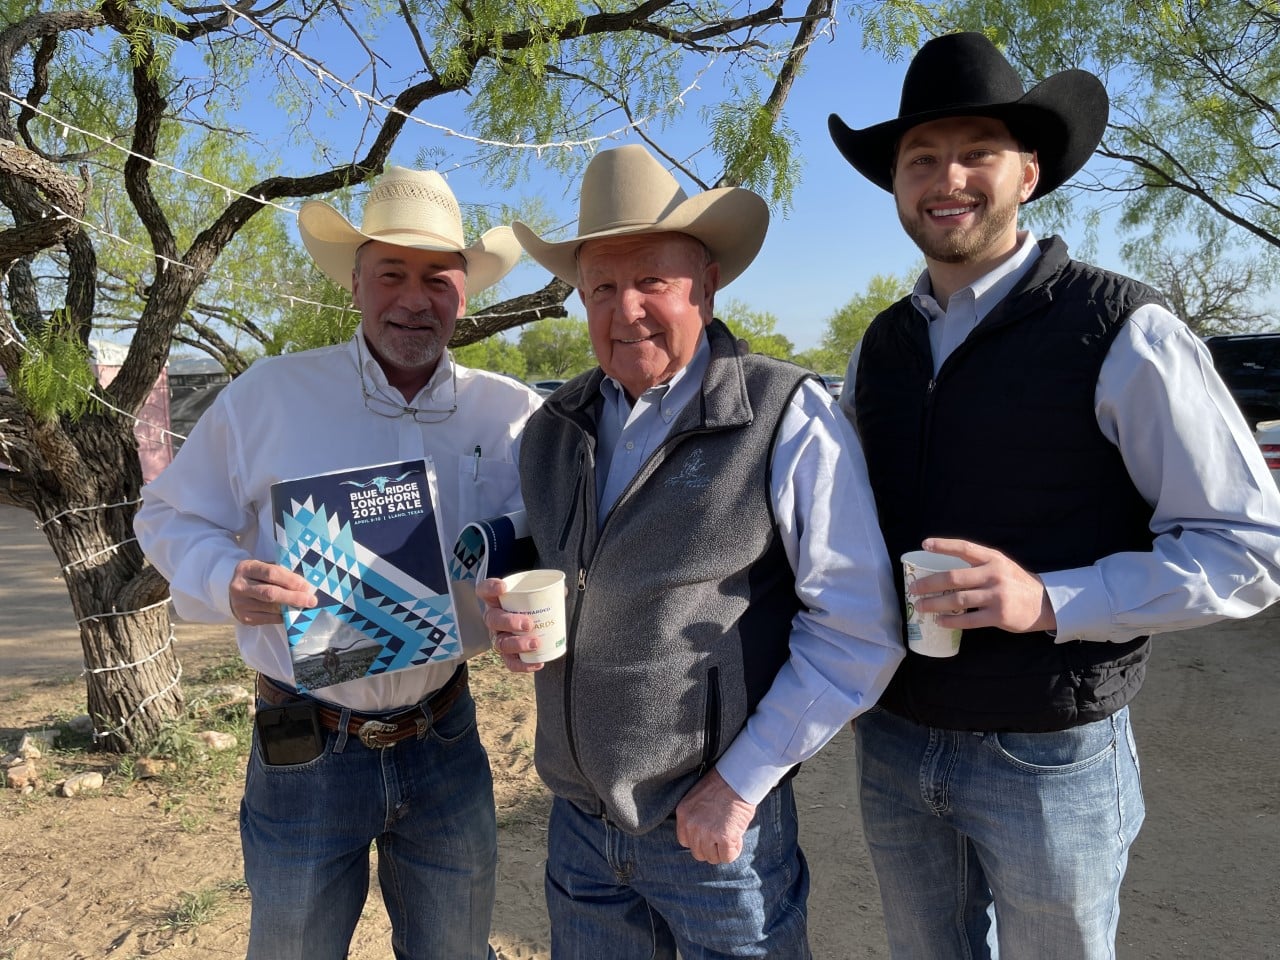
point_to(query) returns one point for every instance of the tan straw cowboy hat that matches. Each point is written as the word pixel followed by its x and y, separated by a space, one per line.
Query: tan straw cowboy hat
pixel 625 191
pixel 407 208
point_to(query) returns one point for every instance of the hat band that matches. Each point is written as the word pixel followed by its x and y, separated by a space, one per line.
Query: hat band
pixel 450 242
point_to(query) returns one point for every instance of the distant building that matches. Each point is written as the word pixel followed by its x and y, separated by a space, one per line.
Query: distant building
pixel 184 389
pixel 194 382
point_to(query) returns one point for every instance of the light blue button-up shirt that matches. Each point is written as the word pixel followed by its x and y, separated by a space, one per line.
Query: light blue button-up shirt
pixel 1189 453
pixel 629 434
pixel 846 640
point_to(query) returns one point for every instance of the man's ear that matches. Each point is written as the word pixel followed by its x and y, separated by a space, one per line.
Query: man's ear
pixel 1030 176
pixel 710 284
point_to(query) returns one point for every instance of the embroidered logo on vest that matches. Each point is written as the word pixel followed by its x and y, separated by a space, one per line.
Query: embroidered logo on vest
pixel 692 474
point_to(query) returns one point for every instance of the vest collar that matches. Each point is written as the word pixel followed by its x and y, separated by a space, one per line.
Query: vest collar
pixel 722 402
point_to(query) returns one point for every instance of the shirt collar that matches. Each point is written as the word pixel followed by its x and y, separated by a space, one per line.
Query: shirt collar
pixel 674 393
pixel 375 378
pixel 987 290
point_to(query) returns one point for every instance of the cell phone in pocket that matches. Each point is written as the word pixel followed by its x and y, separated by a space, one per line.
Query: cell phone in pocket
pixel 290 734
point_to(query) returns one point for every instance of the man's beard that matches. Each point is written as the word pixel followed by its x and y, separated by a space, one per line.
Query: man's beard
pixel 416 348
pixel 960 244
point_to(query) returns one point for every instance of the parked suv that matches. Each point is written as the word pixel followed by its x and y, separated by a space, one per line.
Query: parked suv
pixel 1249 364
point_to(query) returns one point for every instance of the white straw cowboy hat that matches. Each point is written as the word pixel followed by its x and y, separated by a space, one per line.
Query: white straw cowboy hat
pixel 407 208
pixel 625 191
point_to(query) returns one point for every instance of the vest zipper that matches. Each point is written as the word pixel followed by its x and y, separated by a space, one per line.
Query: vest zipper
pixel 923 465
pixel 577 492
pixel 582 501
pixel 711 721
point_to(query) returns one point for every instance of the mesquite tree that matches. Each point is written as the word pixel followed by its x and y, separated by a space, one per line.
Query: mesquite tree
pixel 135 196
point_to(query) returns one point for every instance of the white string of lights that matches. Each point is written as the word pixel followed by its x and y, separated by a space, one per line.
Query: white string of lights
pixel 97 553
pixel 292 299
pixel 137 663
pixel 97 398
pixel 125 721
pixel 359 96
pixel 120 613
pixel 40 525
pixel 67 127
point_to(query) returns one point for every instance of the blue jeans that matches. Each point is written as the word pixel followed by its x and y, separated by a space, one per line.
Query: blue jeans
pixel 1032 829
pixel 427 804
pixel 616 896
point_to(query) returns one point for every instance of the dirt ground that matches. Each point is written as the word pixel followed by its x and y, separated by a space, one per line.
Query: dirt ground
pixel 115 874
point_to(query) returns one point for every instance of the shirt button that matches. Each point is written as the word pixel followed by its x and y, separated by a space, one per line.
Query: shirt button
pixel 630 445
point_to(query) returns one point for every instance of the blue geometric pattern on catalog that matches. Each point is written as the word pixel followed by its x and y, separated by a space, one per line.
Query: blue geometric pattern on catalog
pixel 366 541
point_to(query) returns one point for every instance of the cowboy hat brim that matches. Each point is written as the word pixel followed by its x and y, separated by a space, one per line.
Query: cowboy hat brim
pixel 332 242
pixel 1062 119
pixel 729 221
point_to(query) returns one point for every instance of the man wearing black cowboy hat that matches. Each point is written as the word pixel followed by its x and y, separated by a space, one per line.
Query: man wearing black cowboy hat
pixel 1056 428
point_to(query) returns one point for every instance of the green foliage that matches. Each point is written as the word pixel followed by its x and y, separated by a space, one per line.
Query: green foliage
pixel 896 28
pixel 493 353
pixel 1195 103
pixel 846 326
pixel 557 347
pixel 757 150
pixel 194 909
pixel 757 327
pixel 324 318
pixel 56 376
pixel 150 37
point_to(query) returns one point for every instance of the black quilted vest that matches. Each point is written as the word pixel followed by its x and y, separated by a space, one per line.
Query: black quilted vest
pixel 1003 448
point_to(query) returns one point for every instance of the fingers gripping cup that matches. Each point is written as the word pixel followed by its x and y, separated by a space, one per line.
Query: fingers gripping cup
pixel 539 594
pixel 924 636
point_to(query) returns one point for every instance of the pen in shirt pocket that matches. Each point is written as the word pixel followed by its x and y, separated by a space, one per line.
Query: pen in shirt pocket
pixel 475 464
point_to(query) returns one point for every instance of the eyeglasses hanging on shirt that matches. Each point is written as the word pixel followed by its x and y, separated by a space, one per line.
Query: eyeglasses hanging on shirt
pixel 393 410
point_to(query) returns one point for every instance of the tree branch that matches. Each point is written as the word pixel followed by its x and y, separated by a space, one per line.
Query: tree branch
pixel 547 302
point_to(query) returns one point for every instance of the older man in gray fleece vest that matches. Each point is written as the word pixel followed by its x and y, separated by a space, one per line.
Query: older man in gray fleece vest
pixel 731 604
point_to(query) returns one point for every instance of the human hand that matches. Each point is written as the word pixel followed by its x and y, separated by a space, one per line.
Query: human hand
pixel 992 591
pixel 511 632
pixel 711 820
pixel 258 589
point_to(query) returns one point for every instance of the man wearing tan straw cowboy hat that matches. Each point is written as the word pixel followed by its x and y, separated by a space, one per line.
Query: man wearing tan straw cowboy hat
pixel 731 604
pixel 1056 428
pixel 420 788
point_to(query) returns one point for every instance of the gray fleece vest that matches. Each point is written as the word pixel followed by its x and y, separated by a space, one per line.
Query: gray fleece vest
pixel 679 606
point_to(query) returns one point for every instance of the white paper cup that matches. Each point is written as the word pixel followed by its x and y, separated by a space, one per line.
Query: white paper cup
pixel 539 594
pixel 924 636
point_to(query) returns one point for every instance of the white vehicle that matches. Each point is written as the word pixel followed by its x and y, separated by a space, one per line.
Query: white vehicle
pixel 1268 435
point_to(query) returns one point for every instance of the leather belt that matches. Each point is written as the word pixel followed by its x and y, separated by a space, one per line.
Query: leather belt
pixel 376 733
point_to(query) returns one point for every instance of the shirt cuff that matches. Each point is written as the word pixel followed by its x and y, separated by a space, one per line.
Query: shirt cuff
pixel 747 769
pixel 1079 601
pixel 216 598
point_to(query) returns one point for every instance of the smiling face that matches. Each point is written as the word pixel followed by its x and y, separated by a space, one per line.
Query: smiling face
pixel 409 302
pixel 647 299
pixel 958 183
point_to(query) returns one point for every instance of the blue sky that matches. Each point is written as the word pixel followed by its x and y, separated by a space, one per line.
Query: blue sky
pixel 840 231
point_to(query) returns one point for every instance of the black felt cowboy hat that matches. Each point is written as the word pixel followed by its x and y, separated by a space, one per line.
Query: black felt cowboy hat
pixel 1062 118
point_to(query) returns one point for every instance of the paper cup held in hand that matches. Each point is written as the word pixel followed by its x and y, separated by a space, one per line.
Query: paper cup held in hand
pixel 539 594
pixel 924 636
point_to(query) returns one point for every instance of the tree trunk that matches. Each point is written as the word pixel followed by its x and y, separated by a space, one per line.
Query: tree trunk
pixel 86 510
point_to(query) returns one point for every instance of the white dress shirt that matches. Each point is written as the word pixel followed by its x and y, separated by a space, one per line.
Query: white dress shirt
pixel 303 414
pixel 1189 453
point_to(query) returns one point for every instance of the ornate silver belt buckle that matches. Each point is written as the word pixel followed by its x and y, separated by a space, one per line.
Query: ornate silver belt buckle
pixel 371 732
